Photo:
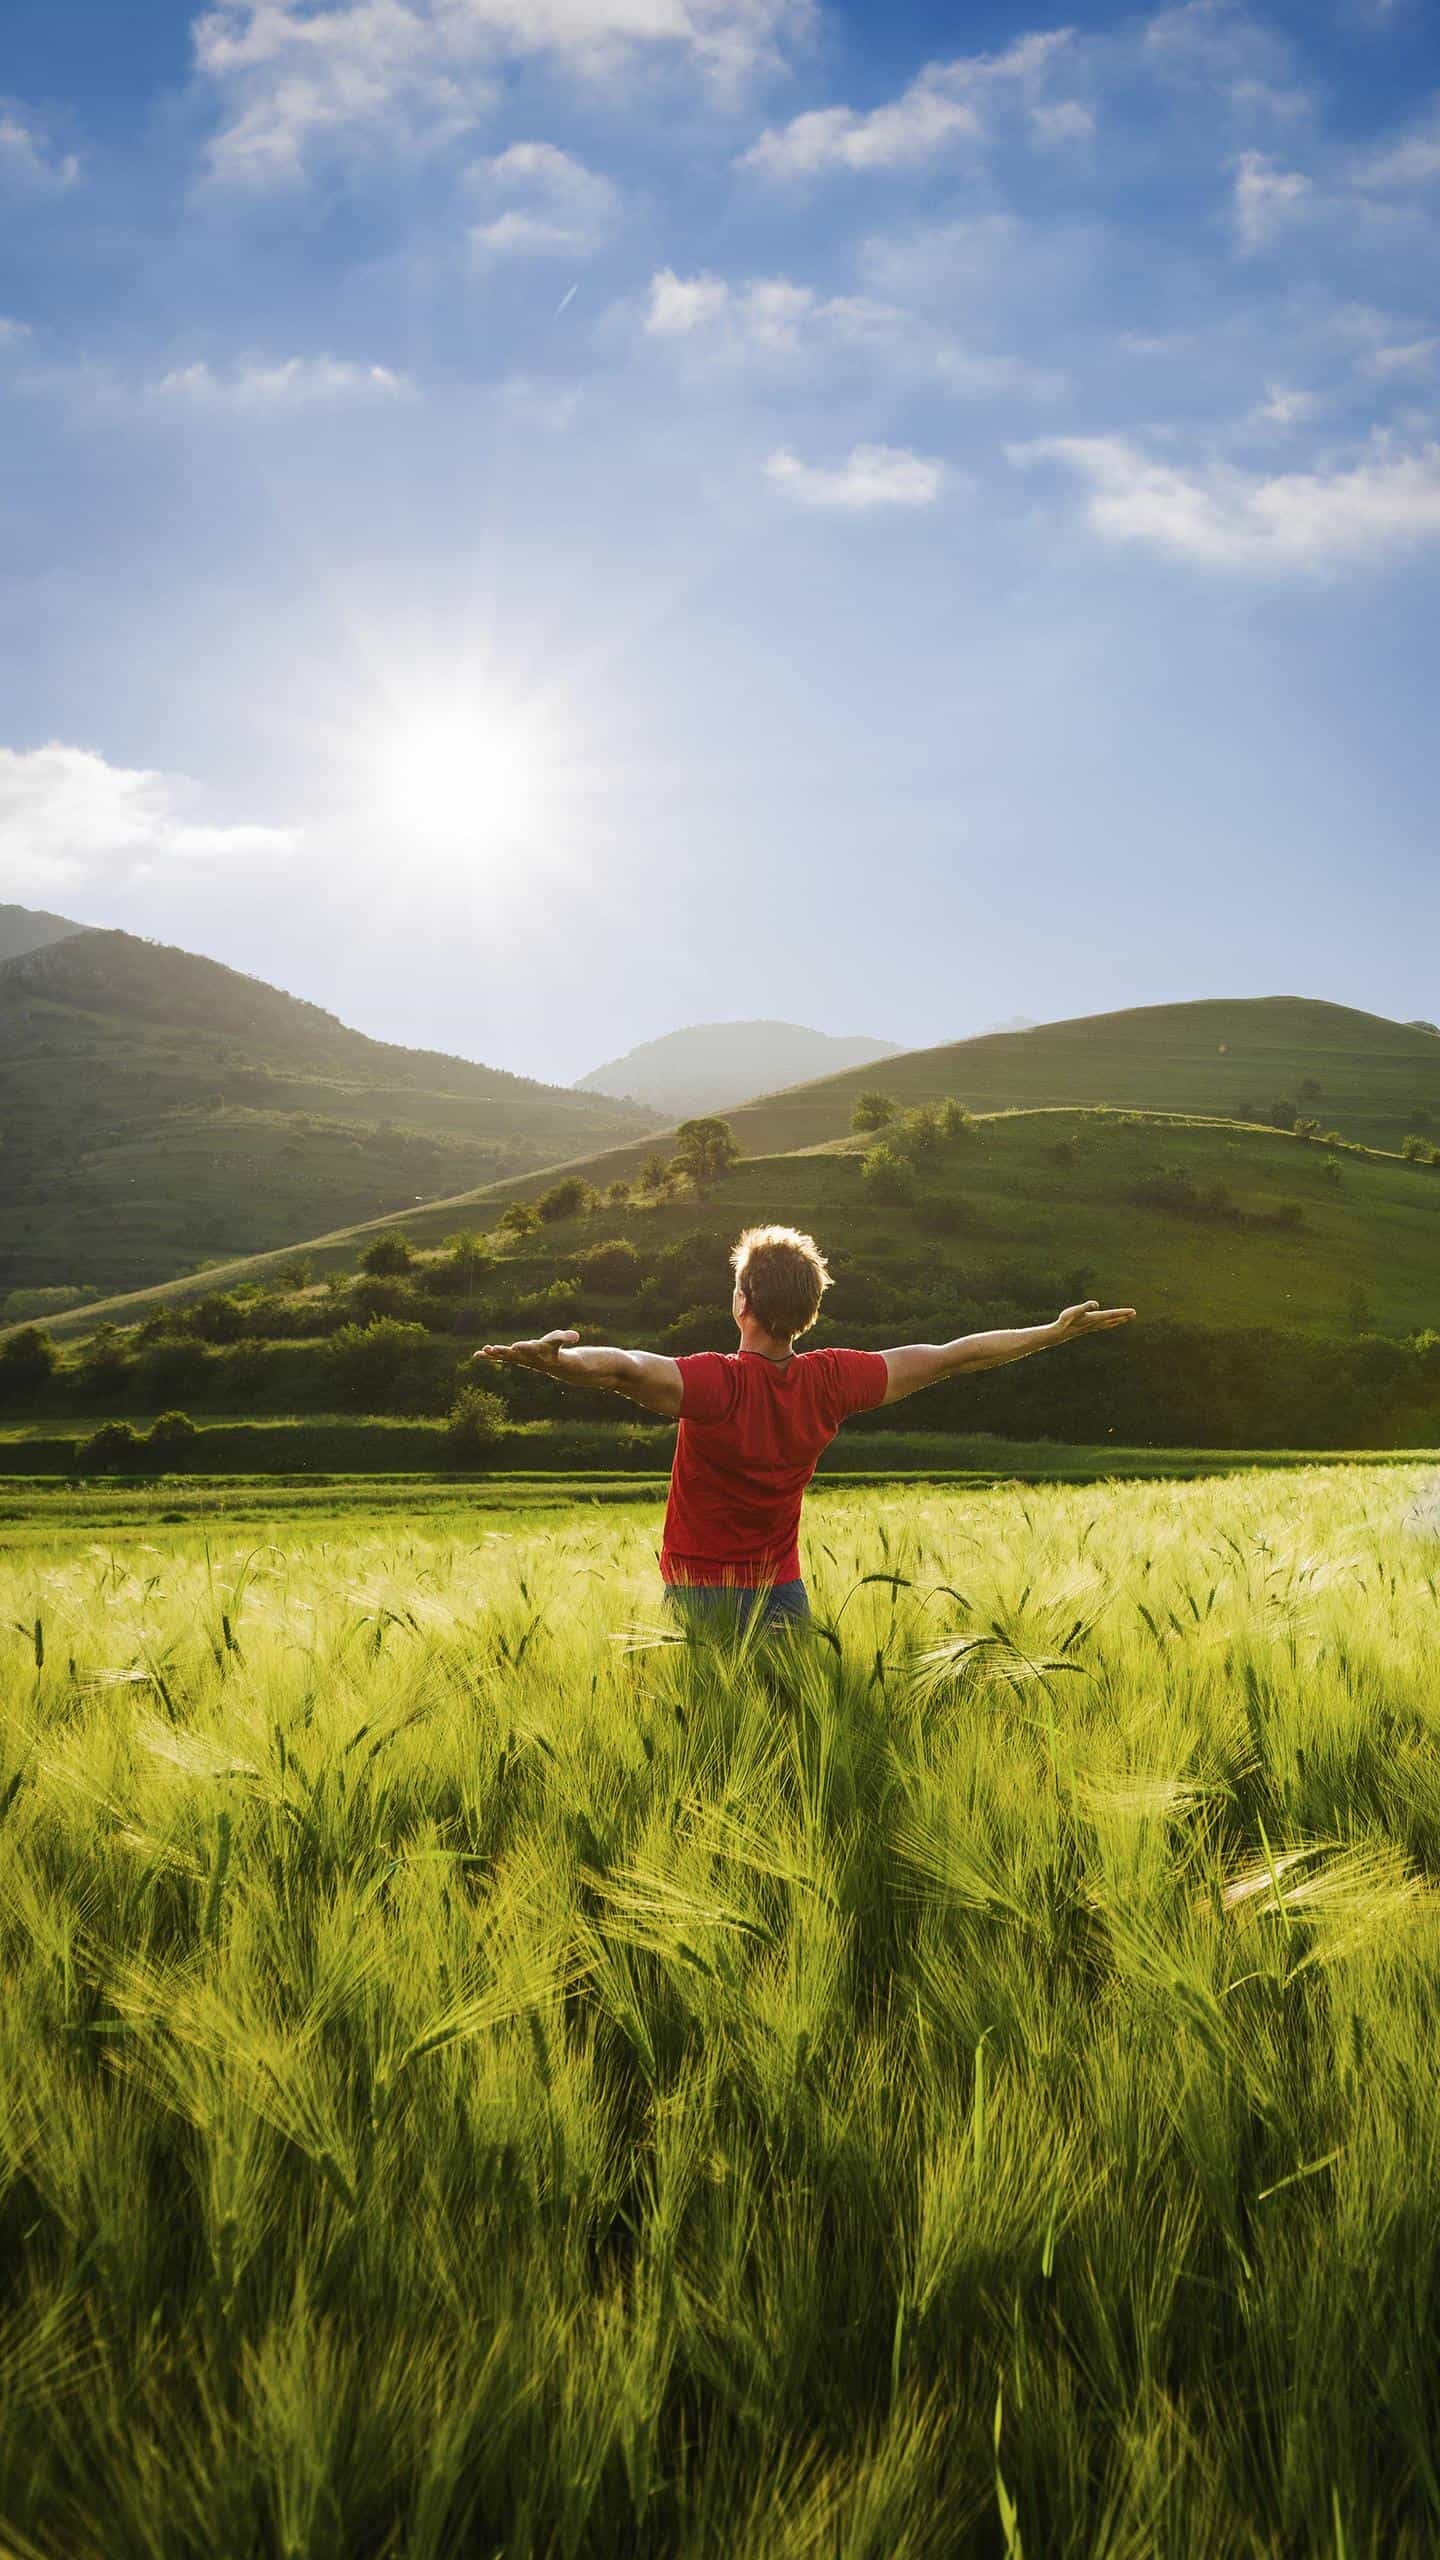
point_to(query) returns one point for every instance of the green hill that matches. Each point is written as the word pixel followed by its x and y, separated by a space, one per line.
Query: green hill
pixel 158 1110
pixel 1288 1289
pixel 30 929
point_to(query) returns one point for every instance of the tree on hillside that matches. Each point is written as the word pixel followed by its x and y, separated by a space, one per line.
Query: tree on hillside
pixel 873 1110
pixel 470 1254
pixel 27 1359
pixel 567 1199
pixel 653 1173
pixel 388 1256
pixel 705 1149
pixel 521 1218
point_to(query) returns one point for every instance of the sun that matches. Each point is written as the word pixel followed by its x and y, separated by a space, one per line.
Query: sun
pixel 465 776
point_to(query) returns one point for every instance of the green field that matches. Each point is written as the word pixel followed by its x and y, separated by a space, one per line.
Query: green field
pixel 482 2076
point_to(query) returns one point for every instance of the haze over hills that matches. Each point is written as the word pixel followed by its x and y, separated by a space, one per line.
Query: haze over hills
pixel 158 1110
pixel 30 929
pixel 711 1066
pixel 1227 1061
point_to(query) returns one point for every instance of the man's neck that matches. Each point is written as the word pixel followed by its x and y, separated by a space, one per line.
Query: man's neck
pixel 753 1337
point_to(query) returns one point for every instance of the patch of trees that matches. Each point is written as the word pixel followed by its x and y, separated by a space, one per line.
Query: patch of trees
pixel 1178 1194
pixel 1176 1385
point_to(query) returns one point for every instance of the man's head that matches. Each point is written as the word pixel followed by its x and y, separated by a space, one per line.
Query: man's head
pixel 780 1279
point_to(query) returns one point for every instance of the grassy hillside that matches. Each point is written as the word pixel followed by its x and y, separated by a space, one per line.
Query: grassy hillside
pixel 159 1111
pixel 1288 1291
pixel 1369 1229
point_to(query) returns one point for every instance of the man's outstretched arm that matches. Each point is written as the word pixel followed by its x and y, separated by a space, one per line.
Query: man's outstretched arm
pixel 923 1364
pixel 645 1377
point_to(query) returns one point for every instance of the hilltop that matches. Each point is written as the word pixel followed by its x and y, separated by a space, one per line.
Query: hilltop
pixel 711 1066
pixel 25 929
pixel 159 1110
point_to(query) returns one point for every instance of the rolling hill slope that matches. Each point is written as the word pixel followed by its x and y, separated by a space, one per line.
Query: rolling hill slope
pixel 1377 1230
pixel 158 1109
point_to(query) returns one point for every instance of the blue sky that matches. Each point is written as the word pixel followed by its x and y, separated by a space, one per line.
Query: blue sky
pixel 535 521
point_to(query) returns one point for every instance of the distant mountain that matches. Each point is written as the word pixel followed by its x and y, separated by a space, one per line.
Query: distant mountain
pixel 158 1110
pixel 25 929
pixel 714 1065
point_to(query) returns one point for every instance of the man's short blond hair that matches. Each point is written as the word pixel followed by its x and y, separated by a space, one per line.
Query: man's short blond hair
pixel 784 1276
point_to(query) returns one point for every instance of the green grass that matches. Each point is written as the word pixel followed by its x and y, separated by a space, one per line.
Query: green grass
pixel 478 2078
pixel 1018 1209
pixel 1376 1080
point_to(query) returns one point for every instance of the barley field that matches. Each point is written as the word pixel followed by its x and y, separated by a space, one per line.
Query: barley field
pixel 482 2076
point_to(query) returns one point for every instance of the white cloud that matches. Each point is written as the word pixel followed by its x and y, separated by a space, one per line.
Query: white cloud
pixel 29 162
pixel 768 313
pixel 1411 161
pixel 1068 121
pixel 66 817
pixel 1416 357
pixel 1221 517
pixel 258 389
pixel 875 476
pixel 941 107
pixel 1265 198
pixel 681 304
pixel 292 79
pixel 1216 44
pixel 565 209
pixel 1283 406
pixel 12 331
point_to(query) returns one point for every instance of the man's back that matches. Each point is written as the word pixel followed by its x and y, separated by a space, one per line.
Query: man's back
pixel 751 1430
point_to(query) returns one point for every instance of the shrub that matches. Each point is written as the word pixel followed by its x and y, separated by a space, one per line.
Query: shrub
pixel 918 1134
pixel 1414 1150
pixel 172 1367
pixel 28 1359
pixel 567 1199
pixel 653 1173
pixel 171 1434
pixel 521 1218
pixel 106 1367
pixel 470 1255
pixel 476 1423
pixel 219 1318
pixel 296 1273
pixel 114 1446
pixel 373 1365
pixel 699 1329
pixel 388 1256
pixel 873 1110
pixel 888 1177
pixel 617 1194
pixel 380 1295
pixel 1283 1114
pixel 957 1120
pixel 613 1269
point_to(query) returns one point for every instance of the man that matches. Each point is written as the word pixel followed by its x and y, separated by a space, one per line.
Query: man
pixel 754 1421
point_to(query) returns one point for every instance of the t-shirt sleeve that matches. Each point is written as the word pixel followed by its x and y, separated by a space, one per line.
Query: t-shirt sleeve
pixel 858 1381
pixel 707 1386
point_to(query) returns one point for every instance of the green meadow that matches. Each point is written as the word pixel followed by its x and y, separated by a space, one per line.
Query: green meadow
pixel 484 2075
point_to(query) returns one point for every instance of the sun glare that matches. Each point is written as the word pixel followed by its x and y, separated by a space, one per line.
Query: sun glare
pixel 468 777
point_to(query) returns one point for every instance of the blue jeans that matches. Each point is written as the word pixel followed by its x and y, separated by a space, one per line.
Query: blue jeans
pixel 717 1607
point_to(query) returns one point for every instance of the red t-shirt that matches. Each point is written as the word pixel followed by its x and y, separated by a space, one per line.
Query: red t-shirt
pixel 750 1433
